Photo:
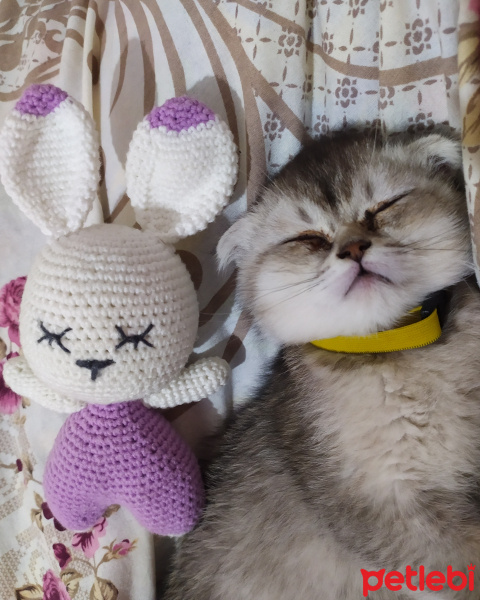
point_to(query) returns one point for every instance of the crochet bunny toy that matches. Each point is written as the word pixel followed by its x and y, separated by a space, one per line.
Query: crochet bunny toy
pixel 109 314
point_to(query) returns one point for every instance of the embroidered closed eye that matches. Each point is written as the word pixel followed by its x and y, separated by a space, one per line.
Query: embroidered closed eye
pixel 54 337
pixel 314 240
pixel 133 339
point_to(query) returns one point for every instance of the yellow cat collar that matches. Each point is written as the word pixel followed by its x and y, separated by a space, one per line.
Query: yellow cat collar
pixel 416 335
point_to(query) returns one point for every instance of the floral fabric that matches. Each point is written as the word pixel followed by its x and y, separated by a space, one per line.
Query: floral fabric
pixel 68 564
pixel 10 298
pixel 278 71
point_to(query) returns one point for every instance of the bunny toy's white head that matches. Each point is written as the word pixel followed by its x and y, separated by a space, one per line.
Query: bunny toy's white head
pixel 109 313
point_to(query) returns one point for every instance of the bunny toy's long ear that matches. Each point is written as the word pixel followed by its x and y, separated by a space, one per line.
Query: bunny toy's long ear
pixel 181 168
pixel 49 160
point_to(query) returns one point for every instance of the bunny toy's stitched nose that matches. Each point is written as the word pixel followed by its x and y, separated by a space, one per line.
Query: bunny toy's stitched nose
pixel 95 366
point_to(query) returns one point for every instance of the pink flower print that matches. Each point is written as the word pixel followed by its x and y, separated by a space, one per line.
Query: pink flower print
pixel 10 298
pixel 9 400
pixel 62 555
pixel 474 6
pixel 47 513
pixel 123 548
pixel 54 588
pixel 88 541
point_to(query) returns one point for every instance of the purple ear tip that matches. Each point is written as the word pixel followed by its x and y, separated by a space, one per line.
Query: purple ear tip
pixel 40 100
pixel 181 113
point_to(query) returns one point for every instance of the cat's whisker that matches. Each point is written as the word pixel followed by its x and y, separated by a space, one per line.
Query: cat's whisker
pixel 429 243
pixel 431 246
pixel 285 287
pixel 374 146
pixel 220 313
pixel 299 293
pixel 428 249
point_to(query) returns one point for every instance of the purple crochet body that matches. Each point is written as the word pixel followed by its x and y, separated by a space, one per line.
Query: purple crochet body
pixel 181 113
pixel 124 454
pixel 40 100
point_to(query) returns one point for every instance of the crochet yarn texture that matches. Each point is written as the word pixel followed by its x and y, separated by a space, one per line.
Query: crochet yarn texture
pixel 197 172
pixel 124 454
pixel 49 160
pixel 181 113
pixel 40 100
pixel 100 288
pixel 109 314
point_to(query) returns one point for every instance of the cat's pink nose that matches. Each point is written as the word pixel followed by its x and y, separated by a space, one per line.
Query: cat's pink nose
pixel 354 250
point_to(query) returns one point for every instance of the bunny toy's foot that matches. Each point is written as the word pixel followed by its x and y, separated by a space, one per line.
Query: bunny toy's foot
pixel 124 454
pixel 182 159
pixel 49 157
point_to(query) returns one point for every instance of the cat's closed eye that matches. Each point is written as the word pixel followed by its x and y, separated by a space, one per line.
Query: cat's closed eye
pixel 314 240
pixel 370 214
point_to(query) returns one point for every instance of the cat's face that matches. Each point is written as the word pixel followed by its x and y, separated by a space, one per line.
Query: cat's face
pixel 350 236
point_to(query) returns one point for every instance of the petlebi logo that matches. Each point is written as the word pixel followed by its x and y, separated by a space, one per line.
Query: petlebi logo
pixel 435 581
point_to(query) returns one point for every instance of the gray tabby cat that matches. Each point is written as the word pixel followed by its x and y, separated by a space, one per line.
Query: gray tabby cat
pixel 349 461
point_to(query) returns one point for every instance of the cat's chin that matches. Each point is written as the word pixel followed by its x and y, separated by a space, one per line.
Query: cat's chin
pixel 366 281
pixel 363 311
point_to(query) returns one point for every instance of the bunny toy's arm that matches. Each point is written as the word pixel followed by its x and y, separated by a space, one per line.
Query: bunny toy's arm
pixel 20 378
pixel 194 383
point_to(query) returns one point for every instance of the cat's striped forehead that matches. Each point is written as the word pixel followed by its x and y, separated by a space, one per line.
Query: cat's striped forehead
pixel 328 172
pixel 342 176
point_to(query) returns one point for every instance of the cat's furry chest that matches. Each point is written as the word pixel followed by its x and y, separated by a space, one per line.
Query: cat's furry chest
pixel 408 422
pixel 393 437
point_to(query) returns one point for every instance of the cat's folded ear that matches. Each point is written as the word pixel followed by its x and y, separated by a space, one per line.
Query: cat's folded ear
pixel 435 152
pixel 234 242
